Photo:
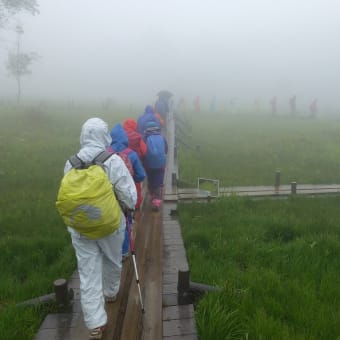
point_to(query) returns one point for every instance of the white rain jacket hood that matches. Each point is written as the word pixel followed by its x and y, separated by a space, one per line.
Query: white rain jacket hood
pixel 94 138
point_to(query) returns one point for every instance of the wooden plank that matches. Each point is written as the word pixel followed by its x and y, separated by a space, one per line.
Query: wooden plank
pixel 60 320
pixel 55 334
pixel 170 278
pixel 170 288
pixel 169 300
pixel 152 319
pixel 179 327
pixel 182 337
pixel 178 312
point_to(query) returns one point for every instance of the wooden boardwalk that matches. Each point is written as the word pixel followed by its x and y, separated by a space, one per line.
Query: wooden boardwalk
pixel 190 194
pixel 178 318
pixel 160 254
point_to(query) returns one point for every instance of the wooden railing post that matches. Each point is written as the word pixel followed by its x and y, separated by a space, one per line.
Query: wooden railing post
pixel 174 179
pixel 61 293
pixel 183 287
pixel 293 186
pixel 277 180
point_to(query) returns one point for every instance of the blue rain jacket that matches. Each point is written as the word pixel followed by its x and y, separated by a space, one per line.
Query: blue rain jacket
pixel 119 143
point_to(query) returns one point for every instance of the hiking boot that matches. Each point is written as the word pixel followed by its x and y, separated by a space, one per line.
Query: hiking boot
pixel 110 299
pixel 97 333
pixel 156 202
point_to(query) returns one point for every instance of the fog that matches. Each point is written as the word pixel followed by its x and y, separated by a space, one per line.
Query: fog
pixel 129 50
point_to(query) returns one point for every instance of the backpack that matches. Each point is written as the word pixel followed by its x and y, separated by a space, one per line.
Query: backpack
pixel 155 156
pixel 124 156
pixel 86 201
pixel 134 139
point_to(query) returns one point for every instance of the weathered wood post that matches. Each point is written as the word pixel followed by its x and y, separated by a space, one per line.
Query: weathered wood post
pixel 61 293
pixel 293 186
pixel 277 180
pixel 183 287
pixel 174 179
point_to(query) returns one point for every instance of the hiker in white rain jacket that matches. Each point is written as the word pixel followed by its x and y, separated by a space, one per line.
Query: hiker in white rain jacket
pixel 99 261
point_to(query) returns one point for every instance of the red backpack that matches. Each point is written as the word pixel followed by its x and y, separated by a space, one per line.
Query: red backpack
pixel 124 156
pixel 134 139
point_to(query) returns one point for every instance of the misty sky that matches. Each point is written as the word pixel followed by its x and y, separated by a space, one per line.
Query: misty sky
pixel 130 49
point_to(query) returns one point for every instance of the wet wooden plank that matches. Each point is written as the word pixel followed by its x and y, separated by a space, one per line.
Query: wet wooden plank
pixel 178 312
pixel 170 288
pixel 179 327
pixel 60 320
pixel 170 278
pixel 55 334
pixel 169 300
pixel 182 337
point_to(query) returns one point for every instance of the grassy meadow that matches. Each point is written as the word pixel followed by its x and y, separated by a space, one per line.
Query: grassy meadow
pixel 260 252
pixel 35 141
pixel 276 261
pixel 247 149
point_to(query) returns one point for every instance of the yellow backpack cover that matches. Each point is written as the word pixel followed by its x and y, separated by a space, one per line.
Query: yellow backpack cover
pixel 86 200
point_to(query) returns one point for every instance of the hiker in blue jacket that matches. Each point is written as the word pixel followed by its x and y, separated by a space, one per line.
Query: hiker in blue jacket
pixel 120 144
pixel 148 116
pixel 154 162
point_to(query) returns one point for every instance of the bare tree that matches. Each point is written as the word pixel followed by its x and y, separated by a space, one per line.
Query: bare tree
pixel 18 63
pixel 8 8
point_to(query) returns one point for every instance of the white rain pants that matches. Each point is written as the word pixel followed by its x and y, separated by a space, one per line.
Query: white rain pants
pixel 99 267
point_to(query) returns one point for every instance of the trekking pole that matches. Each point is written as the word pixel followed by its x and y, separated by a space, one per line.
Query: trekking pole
pixel 132 247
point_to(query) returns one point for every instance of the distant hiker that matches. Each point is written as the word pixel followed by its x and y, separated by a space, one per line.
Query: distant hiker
pixel 162 107
pixel 135 139
pixel 164 104
pixel 137 144
pixel 197 105
pixel 155 160
pixel 273 103
pixel 292 104
pixel 313 108
pixel 148 116
pixel 120 144
pixel 96 228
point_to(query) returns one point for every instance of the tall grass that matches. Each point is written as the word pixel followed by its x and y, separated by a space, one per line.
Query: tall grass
pixel 247 149
pixel 35 247
pixel 278 264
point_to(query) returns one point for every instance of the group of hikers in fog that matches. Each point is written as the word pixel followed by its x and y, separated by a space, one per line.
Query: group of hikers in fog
pixel 96 205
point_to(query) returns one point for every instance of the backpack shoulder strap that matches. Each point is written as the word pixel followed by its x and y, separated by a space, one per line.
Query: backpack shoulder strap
pixel 102 157
pixel 126 151
pixel 76 162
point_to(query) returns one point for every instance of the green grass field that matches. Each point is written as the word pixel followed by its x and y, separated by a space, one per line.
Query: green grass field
pixel 248 149
pixel 276 261
pixel 35 142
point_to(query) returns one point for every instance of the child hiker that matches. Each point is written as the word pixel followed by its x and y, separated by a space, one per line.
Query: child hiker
pixel 148 116
pixel 96 228
pixel 137 144
pixel 154 161
pixel 120 144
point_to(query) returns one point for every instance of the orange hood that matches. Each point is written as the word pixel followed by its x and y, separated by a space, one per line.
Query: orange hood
pixel 130 125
